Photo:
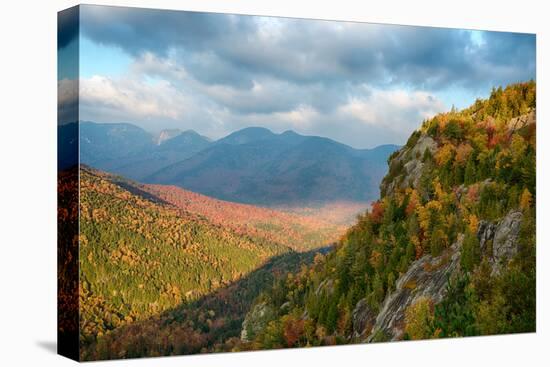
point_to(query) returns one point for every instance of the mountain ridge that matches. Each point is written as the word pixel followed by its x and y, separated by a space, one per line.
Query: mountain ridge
pixel 252 165
pixel 275 169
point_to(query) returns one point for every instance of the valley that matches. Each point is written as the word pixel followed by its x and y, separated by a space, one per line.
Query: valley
pixel 150 250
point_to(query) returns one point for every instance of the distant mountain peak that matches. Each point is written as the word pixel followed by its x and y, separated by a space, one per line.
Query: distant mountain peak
pixel 290 133
pixel 255 128
pixel 191 132
pixel 247 135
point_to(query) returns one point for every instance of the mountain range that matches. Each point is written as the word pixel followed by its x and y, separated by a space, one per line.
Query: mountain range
pixel 252 165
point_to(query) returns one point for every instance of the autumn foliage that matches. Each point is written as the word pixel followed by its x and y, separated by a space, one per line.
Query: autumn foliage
pixel 480 168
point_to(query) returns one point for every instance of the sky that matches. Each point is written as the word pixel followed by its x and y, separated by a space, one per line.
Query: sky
pixel 358 83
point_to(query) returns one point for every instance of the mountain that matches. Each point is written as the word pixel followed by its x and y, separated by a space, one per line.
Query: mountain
pixel 259 167
pixel 151 254
pixel 131 151
pixel 140 165
pixel 188 141
pixel 248 135
pixel 67 146
pixel 252 165
pixel 448 250
pixel 110 142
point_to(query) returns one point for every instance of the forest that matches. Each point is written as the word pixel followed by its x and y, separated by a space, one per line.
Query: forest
pixel 449 247
pixel 167 271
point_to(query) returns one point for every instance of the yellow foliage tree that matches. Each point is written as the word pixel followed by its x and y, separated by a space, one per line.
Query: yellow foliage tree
pixel 427 213
pixel 439 193
pixel 419 319
pixel 518 147
pixel 445 154
pixel 376 259
pixel 473 223
pixel 525 199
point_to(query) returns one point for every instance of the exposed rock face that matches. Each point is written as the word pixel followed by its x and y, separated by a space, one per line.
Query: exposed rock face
pixel 485 235
pixel 363 318
pixel 285 306
pixel 504 237
pixel 521 121
pixel 326 285
pixel 256 320
pixel 413 166
pixel 423 143
pixel 426 277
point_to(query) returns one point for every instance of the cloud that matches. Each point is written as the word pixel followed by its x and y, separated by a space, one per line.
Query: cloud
pixel 377 117
pixel 397 110
pixel 264 95
pixel 363 84
pixel 157 31
pixel 368 117
pixel 235 50
pixel 127 99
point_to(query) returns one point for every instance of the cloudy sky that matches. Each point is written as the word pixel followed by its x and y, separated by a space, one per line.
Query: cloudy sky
pixel 358 83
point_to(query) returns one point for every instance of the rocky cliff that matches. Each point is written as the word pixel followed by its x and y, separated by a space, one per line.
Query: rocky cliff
pixel 428 277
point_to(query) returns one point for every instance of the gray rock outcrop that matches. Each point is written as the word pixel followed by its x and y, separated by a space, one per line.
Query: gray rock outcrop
pixel 256 320
pixel 326 285
pixel 426 277
pixel 503 237
pixel 520 122
pixel 411 159
pixel 363 318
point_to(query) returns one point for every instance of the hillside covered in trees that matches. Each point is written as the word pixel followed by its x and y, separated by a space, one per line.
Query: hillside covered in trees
pixel 448 250
pixel 161 263
pixel 298 232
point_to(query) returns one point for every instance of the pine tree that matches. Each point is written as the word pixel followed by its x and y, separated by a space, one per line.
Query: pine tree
pixel 471 252
pixel 470 170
